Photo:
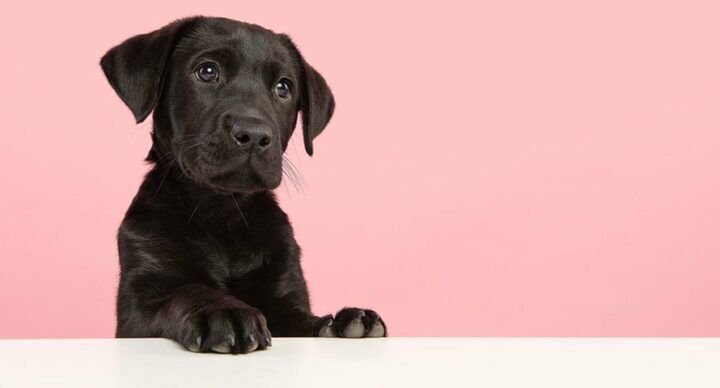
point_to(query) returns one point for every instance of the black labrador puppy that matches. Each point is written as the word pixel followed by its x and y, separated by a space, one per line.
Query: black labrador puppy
pixel 207 256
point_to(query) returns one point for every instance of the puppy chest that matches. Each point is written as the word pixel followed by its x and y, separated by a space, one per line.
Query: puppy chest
pixel 238 268
pixel 241 264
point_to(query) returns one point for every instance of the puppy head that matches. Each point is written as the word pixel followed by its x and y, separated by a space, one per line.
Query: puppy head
pixel 226 96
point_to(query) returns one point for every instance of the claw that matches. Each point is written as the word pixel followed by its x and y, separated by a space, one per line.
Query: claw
pixel 196 346
pixel 221 348
pixel 268 341
pixel 252 343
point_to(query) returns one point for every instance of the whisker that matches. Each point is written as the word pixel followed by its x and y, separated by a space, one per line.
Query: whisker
pixel 193 146
pixel 165 158
pixel 285 187
pixel 294 175
pixel 241 213
pixel 290 177
pixel 181 141
pixel 296 170
pixel 198 207
pixel 298 177
pixel 165 174
pixel 292 142
pixel 191 136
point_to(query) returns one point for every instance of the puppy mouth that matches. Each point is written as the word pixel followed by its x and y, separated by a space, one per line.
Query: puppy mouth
pixel 247 180
pixel 244 177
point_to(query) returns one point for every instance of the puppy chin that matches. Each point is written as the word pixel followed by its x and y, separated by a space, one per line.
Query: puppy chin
pixel 271 181
pixel 243 183
pixel 242 179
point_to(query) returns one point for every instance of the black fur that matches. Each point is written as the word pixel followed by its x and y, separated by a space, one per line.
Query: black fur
pixel 207 257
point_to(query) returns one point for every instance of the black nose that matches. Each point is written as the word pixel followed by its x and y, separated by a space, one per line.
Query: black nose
pixel 258 136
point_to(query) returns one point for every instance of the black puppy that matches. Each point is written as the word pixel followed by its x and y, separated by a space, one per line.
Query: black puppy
pixel 207 256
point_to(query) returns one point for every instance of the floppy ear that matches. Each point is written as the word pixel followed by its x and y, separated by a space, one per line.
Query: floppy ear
pixel 317 105
pixel 136 67
pixel 316 100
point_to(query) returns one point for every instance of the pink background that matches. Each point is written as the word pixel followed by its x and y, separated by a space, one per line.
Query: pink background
pixel 529 168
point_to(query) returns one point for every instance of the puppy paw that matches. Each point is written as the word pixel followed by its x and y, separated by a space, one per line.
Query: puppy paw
pixel 352 322
pixel 325 327
pixel 225 331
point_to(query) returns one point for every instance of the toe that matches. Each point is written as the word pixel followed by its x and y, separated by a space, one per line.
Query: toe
pixel 354 329
pixel 375 324
pixel 376 330
pixel 195 346
pixel 327 331
pixel 251 343
pixel 266 342
pixel 221 348
pixel 325 327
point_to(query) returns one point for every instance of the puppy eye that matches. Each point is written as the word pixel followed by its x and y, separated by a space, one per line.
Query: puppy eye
pixel 282 89
pixel 207 72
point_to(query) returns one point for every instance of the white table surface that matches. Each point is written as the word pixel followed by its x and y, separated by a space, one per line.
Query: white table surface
pixel 382 362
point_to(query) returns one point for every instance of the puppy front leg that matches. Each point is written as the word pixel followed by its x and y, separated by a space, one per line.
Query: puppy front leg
pixel 204 319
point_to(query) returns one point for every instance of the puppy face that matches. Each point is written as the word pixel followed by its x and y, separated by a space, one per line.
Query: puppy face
pixel 232 100
pixel 226 97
